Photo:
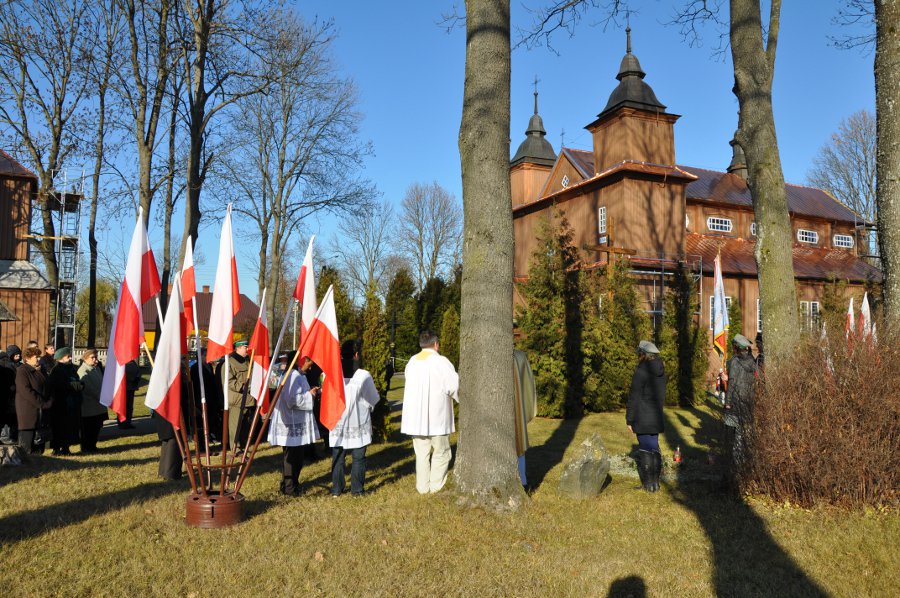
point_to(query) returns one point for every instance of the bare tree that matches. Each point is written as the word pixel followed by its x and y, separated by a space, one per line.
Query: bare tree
pixel 42 87
pixel 887 111
pixel 289 143
pixel 845 165
pixel 362 248
pixel 107 28
pixel 486 460
pixel 429 230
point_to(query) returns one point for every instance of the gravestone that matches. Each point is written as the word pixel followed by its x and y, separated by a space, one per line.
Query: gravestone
pixel 585 474
pixel 10 455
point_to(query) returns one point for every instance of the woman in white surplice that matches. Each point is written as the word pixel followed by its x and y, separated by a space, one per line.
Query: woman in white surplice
pixel 293 425
pixel 353 432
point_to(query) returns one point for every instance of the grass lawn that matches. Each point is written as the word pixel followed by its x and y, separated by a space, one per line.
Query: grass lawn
pixel 105 525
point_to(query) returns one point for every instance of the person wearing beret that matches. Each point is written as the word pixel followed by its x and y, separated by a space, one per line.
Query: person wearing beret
pixel 238 368
pixel 644 413
pixel 742 376
pixel 64 387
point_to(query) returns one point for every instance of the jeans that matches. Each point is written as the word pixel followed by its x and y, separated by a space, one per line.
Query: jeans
pixel 648 442
pixel 357 469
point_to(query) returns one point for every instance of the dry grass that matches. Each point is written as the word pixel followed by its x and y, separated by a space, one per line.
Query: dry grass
pixel 105 525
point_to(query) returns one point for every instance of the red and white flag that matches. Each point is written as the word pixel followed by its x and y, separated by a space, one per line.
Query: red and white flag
pixel 141 282
pixel 259 346
pixel 188 286
pixel 226 301
pixel 305 293
pixel 323 346
pixel 849 324
pixel 164 390
pixel 865 318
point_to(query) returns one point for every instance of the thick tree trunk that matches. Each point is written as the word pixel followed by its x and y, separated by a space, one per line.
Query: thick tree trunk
pixel 887 112
pixel 92 220
pixel 486 470
pixel 754 66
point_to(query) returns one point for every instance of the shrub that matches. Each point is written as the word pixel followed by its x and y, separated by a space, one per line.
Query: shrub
pixel 375 355
pixel 826 426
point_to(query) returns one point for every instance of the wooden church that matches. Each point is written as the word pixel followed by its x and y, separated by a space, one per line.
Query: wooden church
pixel 629 196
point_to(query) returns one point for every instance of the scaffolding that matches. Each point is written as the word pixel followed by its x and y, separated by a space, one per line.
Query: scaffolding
pixel 65 207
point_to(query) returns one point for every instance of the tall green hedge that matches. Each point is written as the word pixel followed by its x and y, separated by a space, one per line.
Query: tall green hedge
pixel 375 355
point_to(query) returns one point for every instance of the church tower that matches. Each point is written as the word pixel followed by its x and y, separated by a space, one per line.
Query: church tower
pixel 529 168
pixel 634 125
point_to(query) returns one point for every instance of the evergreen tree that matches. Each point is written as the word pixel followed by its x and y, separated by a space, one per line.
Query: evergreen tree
pixel 346 314
pixel 550 320
pixel 431 305
pixel 450 335
pixel 375 355
pixel 735 322
pixel 613 330
pixel 683 343
pixel 400 313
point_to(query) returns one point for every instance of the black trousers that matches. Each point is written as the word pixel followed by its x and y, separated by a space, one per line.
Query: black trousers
pixel 170 460
pixel 90 432
pixel 26 443
pixel 292 463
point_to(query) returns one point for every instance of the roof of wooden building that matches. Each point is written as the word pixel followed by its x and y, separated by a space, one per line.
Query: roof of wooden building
pixel 19 274
pixel 10 167
pixel 6 314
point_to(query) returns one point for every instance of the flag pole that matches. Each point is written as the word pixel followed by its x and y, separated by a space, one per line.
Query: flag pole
pixel 147 352
pixel 225 438
pixel 184 448
pixel 268 416
pixel 200 365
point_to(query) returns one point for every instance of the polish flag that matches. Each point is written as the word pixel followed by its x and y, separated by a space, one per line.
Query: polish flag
pixel 865 318
pixel 141 282
pixel 324 347
pixel 720 311
pixel 849 325
pixel 188 286
pixel 226 301
pixel 164 390
pixel 259 345
pixel 305 293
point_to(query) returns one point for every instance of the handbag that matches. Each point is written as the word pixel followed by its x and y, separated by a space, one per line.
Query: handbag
pixel 43 433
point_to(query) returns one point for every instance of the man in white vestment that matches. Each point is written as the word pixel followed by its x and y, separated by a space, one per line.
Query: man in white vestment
pixel 432 385
pixel 293 426
pixel 353 432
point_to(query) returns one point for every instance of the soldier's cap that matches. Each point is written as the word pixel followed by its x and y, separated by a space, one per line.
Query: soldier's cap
pixel 241 344
pixel 742 341
pixel 283 357
pixel 647 347
pixel 62 352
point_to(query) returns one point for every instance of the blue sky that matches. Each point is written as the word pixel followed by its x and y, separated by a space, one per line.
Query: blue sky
pixel 409 72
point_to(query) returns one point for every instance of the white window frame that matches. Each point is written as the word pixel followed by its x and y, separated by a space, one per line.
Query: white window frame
pixel 813 236
pixel 712 299
pixel 725 224
pixel 565 180
pixel 687 221
pixel 810 314
pixel 601 220
pixel 758 316
pixel 753 228
pixel 845 242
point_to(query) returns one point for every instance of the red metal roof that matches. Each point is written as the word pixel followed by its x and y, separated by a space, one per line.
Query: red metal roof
pixel 723 187
pixel 583 160
pixel 244 321
pixel 10 167
pixel 809 262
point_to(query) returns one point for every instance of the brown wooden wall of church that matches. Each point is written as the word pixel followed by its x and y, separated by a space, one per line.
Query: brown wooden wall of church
pixel 641 214
pixel 526 182
pixel 15 213
pixel 636 136
pixel 33 310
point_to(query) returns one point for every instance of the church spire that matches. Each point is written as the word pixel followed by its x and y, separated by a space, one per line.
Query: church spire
pixel 535 149
pixel 632 89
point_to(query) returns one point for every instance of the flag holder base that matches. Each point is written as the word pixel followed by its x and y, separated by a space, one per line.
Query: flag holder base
pixel 214 511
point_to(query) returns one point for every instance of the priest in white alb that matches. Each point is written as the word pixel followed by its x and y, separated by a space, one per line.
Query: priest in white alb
pixel 353 432
pixel 432 385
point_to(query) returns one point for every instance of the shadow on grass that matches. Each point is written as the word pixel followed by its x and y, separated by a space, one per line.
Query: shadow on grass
pixel 632 586
pixel 40 464
pixel 540 459
pixel 747 561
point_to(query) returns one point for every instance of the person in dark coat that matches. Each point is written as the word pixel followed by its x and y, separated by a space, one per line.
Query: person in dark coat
pixel 132 383
pixel 64 387
pixel 93 413
pixel 644 413
pixel 742 377
pixel 170 460
pixel 48 360
pixel 31 400
pixel 9 361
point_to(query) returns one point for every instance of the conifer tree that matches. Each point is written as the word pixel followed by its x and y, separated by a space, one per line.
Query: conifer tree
pixel 400 314
pixel 683 343
pixel 450 335
pixel 375 355
pixel 735 322
pixel 431 305
pixel 550 320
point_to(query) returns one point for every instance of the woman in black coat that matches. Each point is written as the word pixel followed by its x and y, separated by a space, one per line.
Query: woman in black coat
pixel 31 399
pixel 644 413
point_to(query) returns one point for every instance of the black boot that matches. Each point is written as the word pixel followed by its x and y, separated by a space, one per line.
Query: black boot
pixel 645 468
pixel 655 470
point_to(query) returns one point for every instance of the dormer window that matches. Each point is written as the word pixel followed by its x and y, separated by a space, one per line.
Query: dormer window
pixel 722 225
pixel 845 241
pixel 807 236
pixel 565 180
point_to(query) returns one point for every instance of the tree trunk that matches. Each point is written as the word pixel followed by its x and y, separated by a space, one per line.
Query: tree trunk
pixel 887 113
pixel 486 471
pixel 754 67
pixel 92 222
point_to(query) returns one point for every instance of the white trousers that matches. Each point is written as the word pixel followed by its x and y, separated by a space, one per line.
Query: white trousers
pixel 431 469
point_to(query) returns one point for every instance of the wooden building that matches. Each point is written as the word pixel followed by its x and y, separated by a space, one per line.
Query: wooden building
pixel 23 289
pixel 628 195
